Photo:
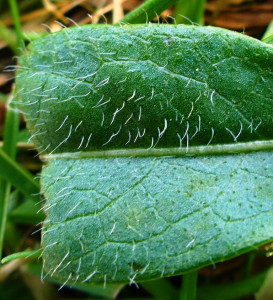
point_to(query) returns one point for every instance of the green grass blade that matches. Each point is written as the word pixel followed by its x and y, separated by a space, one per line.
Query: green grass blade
pixel 8 150
pixel 12 237
pixel 269 31
pixel 269 40
pixel 189 284
pixel 17 24
pixel 31 36
pixel 4 195
pixel 147 11
pixel 3 98
pixel 232 291
pixel 23 254
pixel 11 133
pixel 8 36
pixel 26 213
pixel 161 289
pixel 249 264
pixel 268 35
pixel 17 175
pixel 190 11
pixel 9 147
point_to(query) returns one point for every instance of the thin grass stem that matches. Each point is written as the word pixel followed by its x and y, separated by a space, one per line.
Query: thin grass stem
pixel 147 11
pixel 189 286
pixel 17 24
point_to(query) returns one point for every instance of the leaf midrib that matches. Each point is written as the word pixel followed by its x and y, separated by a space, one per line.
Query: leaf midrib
pixel 220 149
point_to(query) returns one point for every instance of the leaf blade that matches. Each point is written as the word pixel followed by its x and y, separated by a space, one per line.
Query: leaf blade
pixel 207 209
pixel 201 96
pixel 184 90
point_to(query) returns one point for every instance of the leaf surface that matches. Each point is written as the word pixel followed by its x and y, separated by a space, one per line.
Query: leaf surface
pixel 107 87
pixel 159 147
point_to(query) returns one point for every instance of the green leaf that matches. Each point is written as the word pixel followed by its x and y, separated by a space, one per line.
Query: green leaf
pixel 141 86
pixel 158 141
pixel 144 218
